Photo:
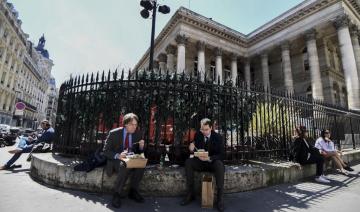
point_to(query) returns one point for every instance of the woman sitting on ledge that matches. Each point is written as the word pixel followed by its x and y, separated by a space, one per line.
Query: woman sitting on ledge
pixel 306 153
pixel 328 151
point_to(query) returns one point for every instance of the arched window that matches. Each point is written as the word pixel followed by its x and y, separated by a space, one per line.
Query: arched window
pixel 336 91
pixel 309 92
pixel 305 57
pixel 212 70
pixel 252 75
pixel 195 72
pixel 227 73
pixel 344 97
pixel 331 58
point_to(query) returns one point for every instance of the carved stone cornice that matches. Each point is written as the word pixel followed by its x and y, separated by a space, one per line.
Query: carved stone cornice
pixel 291 19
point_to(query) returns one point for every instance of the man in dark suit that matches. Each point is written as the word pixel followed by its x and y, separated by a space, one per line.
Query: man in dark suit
pixel 46 137
pixel 212 142
pixel 119 142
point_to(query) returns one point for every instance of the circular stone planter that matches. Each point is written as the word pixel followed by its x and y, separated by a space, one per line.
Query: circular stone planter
pixel 58 171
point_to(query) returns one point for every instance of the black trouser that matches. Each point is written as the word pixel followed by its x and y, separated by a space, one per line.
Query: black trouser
pixel 122 175
pixel 319 160
pixel 195 164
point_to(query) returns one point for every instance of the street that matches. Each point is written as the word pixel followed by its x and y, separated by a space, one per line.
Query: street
pixel 20 193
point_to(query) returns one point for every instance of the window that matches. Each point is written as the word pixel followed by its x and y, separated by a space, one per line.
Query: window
pixel 212 71
pixel 336 91
pixel 309 92
pixel 3 78
pixel 344 97
pixel 227 73
pixel 252 74
pixel 306 60
pixel 331 58
pixel 195 72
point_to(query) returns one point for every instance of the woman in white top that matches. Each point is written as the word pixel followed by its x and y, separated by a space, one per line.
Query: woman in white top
pixel 327 149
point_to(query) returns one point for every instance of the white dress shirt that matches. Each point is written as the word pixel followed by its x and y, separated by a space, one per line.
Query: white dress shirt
pixel 327 146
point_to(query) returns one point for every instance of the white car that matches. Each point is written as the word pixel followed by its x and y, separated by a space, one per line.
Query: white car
pixel 4 128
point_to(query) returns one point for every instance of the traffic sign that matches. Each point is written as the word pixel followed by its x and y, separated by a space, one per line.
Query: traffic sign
pixel 20 106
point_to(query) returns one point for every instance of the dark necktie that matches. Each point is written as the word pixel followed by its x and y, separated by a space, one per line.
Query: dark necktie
pixel 127 141
pixel 206 143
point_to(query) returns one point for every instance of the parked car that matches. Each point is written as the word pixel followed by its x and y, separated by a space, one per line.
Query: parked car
pixel 4 128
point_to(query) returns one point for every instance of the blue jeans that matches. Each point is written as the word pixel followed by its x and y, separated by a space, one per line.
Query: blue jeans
pixel 17 155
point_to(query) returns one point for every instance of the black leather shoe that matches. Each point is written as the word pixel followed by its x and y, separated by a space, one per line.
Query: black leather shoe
pixel 134 195
pixel 189 198
pixel 348 168
pixel 28 159
pixel 220 205
pixel 220 200
pixel 116 201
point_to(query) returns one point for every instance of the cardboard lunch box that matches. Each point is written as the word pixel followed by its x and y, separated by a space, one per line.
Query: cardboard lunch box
pixel 133 163
pixel 201 154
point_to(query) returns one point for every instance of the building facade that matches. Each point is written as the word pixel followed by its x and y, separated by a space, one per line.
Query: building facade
pixel 32 85
pixel 310 50
pixel 25 71
pixel 53 94
pixel 12 53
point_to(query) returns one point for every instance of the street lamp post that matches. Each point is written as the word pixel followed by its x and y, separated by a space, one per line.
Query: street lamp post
pixel 151 5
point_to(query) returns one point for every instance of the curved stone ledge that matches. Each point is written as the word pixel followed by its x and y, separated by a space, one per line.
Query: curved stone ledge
pixel 58 171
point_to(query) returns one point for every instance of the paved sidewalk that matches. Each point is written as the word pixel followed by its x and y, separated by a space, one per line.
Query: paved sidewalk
pixel 19 193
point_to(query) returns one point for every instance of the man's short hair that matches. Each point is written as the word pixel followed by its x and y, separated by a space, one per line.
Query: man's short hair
pixel 129 117
pixel 206 121
pixel 46 122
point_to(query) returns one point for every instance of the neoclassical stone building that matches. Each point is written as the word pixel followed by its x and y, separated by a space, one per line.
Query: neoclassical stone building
pixel 33 83
pixel 25 72
pixel 310 50
pixel 12 53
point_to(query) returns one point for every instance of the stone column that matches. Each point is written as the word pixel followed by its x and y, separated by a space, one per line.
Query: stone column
pixel 316 83
pixel 247 73
pixel 162 62
pixel 348 62
pixel 170 51
pixel 201 59
pixel 286 62
pixel 356 47
pixel 234 69
pixel 265 70
pixel 181 41
pixel 218 65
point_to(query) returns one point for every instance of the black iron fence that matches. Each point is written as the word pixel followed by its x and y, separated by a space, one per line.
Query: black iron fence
pixel 254 123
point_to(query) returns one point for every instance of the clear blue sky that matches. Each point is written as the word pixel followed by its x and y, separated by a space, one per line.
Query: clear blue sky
pixel 90 35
